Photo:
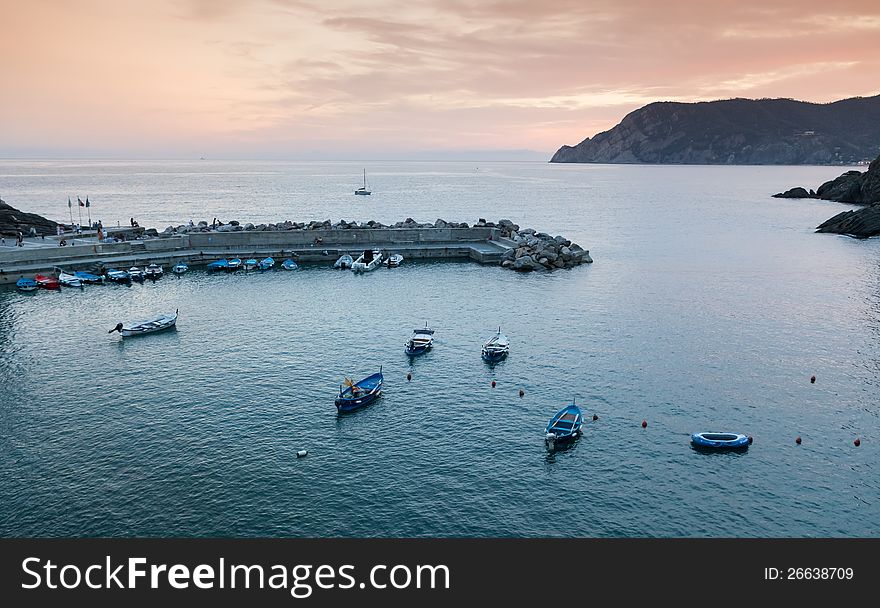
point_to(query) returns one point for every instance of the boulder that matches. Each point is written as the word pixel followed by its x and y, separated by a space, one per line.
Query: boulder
pixel 525 264
pixel 794 193
pixel 248 226
pixel 862 223
pixel 440 223
pixel 234 223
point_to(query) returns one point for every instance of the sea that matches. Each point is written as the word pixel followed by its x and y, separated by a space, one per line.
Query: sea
pixel 708 307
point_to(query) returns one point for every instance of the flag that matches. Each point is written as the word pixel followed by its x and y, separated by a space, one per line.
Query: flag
pixel 87 201
pixel 69 204
pixel 79 200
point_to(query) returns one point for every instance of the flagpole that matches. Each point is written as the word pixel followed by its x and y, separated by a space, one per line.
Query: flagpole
pixel 70 208
pixel 89 211
pixel 80 210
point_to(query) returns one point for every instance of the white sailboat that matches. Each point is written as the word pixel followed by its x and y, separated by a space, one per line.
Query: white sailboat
pixel 363 189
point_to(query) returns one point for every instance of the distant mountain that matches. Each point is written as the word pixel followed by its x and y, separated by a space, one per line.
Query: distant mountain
pixel 738 132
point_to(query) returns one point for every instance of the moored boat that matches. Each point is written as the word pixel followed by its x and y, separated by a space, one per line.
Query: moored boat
pixel 266 263
pixel 289 264
pixel 118 276
pixel 180 268
pixel 234 264
pixel 421 341
pixel 89 278
pixel 720 441
pixel 344 261
pixel 136 274
pixel 154 271
pixel 26 285
pixel 47 282
pixel 68 280
pixel 393 260
pixel 564 426
pixel 496 348
pixel 369 260
pixel 148 326
pixel 250 264
pixel 354 395
pixel 219 265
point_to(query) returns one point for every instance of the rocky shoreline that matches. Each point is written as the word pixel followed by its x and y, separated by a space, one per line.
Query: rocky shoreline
pixel 855 188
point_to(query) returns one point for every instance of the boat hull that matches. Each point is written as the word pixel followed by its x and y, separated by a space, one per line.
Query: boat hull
pixel 719 441
pixel 349 405
pixel 151 326
pixel 26 285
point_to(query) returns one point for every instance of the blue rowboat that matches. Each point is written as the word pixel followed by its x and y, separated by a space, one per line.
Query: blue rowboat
pixel 87 277
pixel 421 341
pixel 354 395
pixel 118 276
pixel 250 264
pixel 219 265
pixel 289 265
pixel 234 264
pixel 496 348
pixel 26 284
pixel 564 426
pixel 266 263
pixel 179 268
pixel 720 441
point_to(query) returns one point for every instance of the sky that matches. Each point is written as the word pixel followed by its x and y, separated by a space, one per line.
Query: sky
pixel 370 79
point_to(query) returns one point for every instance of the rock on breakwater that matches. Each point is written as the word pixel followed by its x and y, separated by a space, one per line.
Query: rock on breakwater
pixel 536 250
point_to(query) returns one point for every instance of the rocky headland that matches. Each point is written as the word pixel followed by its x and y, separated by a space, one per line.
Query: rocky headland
pixel 853 187
pixel 13 221
pixel 738 132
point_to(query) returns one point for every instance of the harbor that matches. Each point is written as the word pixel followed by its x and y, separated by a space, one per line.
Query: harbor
pixel 489 243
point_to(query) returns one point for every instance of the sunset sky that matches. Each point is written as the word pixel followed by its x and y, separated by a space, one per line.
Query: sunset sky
pixel 354 79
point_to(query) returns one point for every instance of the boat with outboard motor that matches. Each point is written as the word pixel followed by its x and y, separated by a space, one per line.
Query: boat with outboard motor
pixel 136 274
pixel 67 279
pixel 26 285
pixel 88 278
pixel 496 348
pixel 219 265
pixel 344 261
pixel 234 264
pixel 564 426
pixel 355 395
pixel 117 276
pixel 180 268
pixel 369 260
pixel 288 264
pixel 47 282
pixel 154 271
pixel 421 341
pixel 266 263
pixel 250 264
pixel 393 260
pixel 148 326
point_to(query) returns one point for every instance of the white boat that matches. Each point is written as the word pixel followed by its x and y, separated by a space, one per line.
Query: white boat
pixel 68 280
pixel 363 190
pixel 496 348
pixel 369 260
pixel 180 268
pixel 393 260
pixel 421 341
pixel 148 326
pixel 136 274
pixel 344 261
pixel 153 271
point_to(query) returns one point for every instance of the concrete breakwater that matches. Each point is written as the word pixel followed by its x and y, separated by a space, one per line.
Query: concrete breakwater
pixel 485 242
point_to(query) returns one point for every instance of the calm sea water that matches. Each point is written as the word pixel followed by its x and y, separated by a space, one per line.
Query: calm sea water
pixel 708 307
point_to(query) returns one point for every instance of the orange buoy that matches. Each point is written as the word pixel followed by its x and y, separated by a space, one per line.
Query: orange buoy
pixel 409 376
pixel 595 417
pixel 493 384
pixel 521 392
pixel 798 440
pixel 644 424
pixel 812 379
pixel 857 442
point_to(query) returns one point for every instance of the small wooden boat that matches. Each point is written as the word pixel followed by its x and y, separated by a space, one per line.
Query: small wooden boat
pixel 67 279
pixel 393 260
pixel 234 264
pixel 421 341
pixel 564 426
pixel 250 264
pixel 148 326
pixel 47 282
pixel 266 263
pixel 26 285
pixel 136 274
pixel 118 276
pixel 180 268
pixel 369 260
pixel 154 271
pixel 720 441
pixel 344 261
pixel 354 395
pixel 496 348
pixel 289 264
pixel 219 265
pixel 88 278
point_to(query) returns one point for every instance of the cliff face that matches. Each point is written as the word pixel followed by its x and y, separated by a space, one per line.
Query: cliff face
pixel 13 221
pixel 738 132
